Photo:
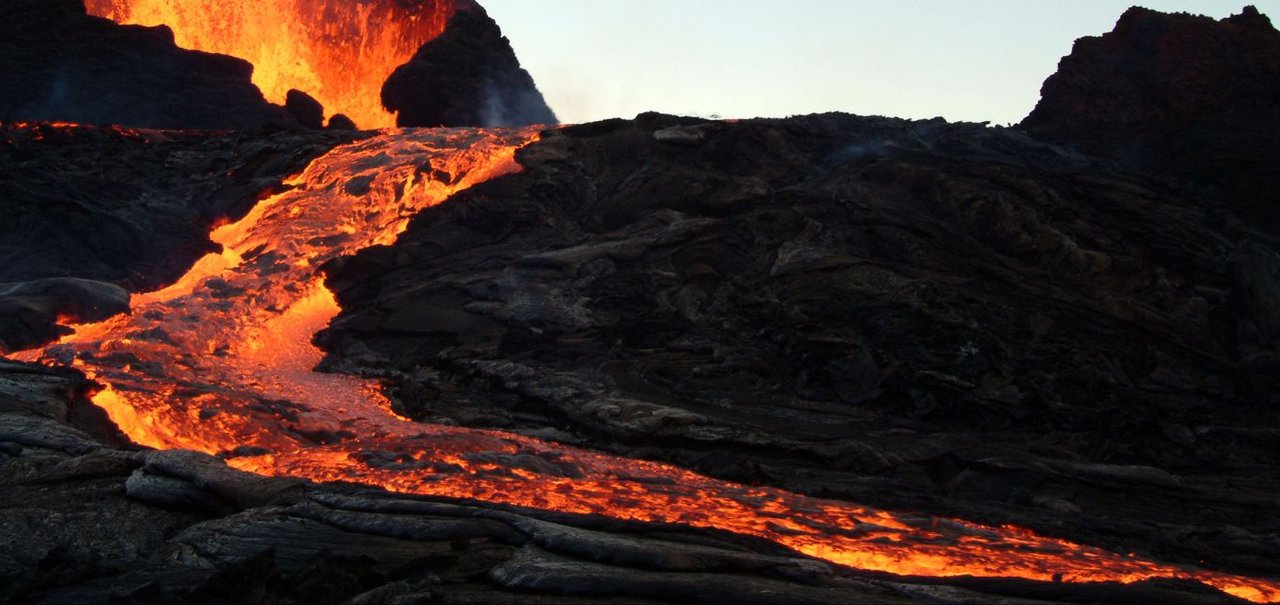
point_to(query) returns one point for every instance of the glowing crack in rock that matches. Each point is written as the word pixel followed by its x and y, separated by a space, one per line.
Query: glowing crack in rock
pixel 221 362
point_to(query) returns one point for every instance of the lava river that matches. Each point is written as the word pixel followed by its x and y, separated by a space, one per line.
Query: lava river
pixel 221 362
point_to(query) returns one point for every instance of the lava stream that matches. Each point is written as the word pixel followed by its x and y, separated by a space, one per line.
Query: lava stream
pixel 338 51
pixel 221 362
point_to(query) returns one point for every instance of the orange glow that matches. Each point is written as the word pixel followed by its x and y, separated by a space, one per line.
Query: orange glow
pixel 338 51
pixel 39 131
pixel 221 362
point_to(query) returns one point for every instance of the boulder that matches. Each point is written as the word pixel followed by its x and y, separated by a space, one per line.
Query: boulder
pixel 305 109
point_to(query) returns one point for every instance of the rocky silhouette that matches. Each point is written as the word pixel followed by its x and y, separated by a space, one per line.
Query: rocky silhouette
pixel 469 76
pixel 64 65
pixel 1183 95
pixel 61 64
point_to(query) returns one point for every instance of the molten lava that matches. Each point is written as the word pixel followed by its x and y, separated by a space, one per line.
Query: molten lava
pixel 338 51
pixel 221 362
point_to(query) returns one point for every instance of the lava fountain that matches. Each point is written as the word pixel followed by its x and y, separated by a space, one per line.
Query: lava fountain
pixel 338 51
pixel 221 362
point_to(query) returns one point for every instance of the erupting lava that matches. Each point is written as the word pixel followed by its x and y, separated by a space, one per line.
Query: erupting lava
pixel 338 51
pixel 221 362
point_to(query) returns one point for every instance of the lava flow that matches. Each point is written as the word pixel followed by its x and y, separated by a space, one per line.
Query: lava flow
pixel 221 362
pixel 338 51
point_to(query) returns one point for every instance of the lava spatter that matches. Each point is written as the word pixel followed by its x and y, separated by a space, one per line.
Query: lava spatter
pixel 221 362
pixel 338 51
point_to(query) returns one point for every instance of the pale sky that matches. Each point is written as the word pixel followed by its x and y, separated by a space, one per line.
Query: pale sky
pixel 977 60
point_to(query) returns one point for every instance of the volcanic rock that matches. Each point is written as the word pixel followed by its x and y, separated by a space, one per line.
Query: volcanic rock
pixel 305 109
pixel 341 122
pixel 30 310
pixel 924 316
pixel 1179 94
pixel 469 76
pixel 61 64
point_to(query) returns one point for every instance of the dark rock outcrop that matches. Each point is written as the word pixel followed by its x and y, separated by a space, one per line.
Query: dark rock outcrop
pixel 469 76
pixel 1177 94
pixel 920 315
pixel 341 122
pixel 306 110
pixel 58 63
pixel 30 311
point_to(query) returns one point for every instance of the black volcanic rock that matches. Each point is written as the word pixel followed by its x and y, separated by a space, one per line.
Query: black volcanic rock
pixel 1183 95
pixel 305 109
pixel 58 63
pixel 29 311
pixel 469 76
pixel 341 122
pixel 925 316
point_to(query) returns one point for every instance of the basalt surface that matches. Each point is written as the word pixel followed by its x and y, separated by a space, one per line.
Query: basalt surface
pixel 925 316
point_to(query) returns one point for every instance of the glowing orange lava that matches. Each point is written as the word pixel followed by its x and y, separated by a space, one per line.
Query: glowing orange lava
pixel 221 362
pixel 338 51
pixel 39 131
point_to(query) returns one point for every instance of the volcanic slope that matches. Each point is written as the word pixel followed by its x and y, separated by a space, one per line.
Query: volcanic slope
pixel 933 317
pixel 341 53
pixel 218 362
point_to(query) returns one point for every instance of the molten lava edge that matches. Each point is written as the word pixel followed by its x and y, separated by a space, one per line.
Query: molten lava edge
pixel 339 52
pixel 221 362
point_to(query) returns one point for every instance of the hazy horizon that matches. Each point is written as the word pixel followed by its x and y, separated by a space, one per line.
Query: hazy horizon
pixel 978 61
